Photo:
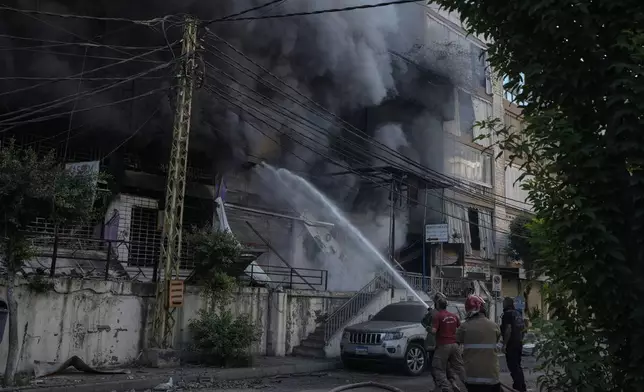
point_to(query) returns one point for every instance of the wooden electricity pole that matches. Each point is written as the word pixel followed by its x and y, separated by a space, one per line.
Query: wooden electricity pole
pixel 169 287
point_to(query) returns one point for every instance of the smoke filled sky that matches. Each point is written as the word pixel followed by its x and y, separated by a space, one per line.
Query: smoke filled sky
pixel 376 69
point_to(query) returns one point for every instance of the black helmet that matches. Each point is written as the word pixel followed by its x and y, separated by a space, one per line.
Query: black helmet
pixel 440 301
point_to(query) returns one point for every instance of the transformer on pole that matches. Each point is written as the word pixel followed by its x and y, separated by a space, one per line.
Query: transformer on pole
pixel 169 294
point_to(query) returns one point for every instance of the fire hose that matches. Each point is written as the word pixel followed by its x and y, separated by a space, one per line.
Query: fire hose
pixel 384 387
pixel 367 384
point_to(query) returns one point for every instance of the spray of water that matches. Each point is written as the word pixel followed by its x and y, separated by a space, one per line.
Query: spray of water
pixel 290 181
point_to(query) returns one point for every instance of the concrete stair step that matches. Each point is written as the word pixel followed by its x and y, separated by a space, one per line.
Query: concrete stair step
pixel 309 352
pixel 313 343
pixel 316 338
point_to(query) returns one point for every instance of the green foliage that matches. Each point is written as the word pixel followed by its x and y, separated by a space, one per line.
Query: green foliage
pixel 221 338
pixel 215 252
pixel 572 361
pixel 34 186
pixel 521 245
pixel 583 148
pixel 534 313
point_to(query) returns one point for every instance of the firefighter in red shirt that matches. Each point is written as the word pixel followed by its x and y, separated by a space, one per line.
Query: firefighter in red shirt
pixel 447 357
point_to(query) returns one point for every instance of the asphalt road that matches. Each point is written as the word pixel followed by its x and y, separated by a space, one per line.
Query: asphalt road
pixel 324 382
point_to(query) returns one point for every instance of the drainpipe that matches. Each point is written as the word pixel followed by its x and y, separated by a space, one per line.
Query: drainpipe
pixel 425 245
pixel 269 321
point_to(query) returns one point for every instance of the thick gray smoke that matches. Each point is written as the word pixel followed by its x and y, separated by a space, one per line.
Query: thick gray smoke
pixel 388 72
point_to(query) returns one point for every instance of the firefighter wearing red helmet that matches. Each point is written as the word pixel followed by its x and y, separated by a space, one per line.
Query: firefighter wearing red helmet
pixel 479 337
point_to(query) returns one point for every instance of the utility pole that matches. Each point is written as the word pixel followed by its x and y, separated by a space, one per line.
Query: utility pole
pixel 169 287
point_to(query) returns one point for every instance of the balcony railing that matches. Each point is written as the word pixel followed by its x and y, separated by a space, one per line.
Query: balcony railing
pixel 289 278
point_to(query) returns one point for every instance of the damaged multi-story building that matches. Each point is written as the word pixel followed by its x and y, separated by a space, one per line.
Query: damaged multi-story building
pixel 376 108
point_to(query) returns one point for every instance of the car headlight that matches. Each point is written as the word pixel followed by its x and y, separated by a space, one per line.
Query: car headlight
pixel 345 335
pixel 392 336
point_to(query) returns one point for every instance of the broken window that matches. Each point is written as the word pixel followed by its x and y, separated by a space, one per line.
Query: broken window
pixel 475 234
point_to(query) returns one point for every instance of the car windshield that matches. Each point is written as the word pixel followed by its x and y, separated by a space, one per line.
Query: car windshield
pixel 409 313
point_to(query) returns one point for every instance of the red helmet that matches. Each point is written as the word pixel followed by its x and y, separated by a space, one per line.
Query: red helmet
pixel 473 305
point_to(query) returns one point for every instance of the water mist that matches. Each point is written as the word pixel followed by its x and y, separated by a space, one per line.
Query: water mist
pixel 297 184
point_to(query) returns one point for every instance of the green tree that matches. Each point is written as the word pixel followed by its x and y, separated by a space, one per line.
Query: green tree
pixel 523 246
pixel 215 253
pixel 219 336
pixel 33 186
pixel 583 147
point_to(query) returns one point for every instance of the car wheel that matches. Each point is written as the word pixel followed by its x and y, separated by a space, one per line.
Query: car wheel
pixel 415 359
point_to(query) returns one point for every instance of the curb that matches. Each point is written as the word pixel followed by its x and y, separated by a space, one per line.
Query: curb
pixel 188 376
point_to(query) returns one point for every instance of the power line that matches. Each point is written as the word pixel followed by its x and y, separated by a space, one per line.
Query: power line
pixel 220 93
pixel 235 15
pixel 145 22
pixel 303 144
pixel 83 44
pixel 141 60
pixel 60 79
pixel 82 74
pixel 331 116
pixel 315 127
pixel 49 117
pixel 348 127
pixel 30 14
pixel 132 135
pixel 63 100
pixel 318 12
pixel 297 119
pixel 71 115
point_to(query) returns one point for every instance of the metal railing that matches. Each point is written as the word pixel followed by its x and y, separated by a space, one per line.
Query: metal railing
pixel 291 278
pixel 457 287
pixel 341 316
pixel 383 280
pixel 89 258
pixel 419 282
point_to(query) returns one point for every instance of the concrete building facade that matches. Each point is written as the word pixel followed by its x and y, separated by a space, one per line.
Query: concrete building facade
pixel 488 195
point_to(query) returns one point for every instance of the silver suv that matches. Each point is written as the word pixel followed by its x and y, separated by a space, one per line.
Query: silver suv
pixel 394 335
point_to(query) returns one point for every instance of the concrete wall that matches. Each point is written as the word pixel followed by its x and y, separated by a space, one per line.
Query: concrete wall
pixel 304 310
pixel 104 322
pixel 101 322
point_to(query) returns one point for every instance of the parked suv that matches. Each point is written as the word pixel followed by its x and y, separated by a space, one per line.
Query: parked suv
pixel 394 335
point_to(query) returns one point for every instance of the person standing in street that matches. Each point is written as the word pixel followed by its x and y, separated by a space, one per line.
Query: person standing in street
pixel 479 337
pixel 430 340
pixel 512 329
pixel 447 356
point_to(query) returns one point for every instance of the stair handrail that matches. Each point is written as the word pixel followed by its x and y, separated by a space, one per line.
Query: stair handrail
pixel 359 300
pixel 339 317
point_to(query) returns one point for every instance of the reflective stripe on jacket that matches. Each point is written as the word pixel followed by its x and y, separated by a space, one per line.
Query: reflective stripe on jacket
pixel 479 337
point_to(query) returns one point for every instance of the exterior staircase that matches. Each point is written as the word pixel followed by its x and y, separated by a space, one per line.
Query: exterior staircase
pixel 313 345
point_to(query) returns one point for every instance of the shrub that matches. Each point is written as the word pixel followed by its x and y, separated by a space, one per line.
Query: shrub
pixel 570 362
pixel 221 338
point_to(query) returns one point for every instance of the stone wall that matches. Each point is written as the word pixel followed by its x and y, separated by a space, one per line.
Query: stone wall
pixel 104 322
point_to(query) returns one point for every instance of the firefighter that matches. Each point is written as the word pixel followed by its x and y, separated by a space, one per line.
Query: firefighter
pixel 513 327
pixel 447 356
pixel 430 341
pixel 479 337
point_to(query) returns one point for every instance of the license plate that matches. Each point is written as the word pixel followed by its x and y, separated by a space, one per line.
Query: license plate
pixel 362 351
